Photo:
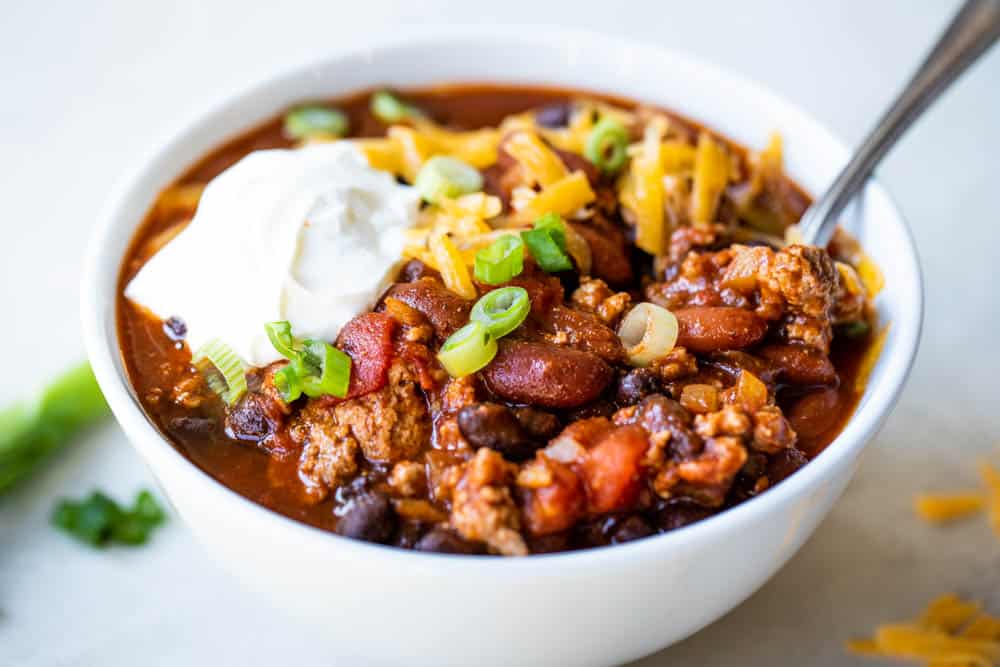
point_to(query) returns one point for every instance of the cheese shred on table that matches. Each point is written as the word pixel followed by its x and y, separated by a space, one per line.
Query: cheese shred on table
pixel 945 507
pixel 950 633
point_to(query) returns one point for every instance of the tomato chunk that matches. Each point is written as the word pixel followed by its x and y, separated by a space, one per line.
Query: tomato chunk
pixel 367 340
pixel 611 470
pixel 557 506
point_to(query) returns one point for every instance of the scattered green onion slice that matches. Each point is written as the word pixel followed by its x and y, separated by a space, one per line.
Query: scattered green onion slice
pixel 310 121
pixel 500 261
pixel 280 335
pixel 328 370
pixel 390 109
pixel 607 145
pixel 648 332
pixel 547 243
pixel 444 176
pixel 99 520
pixel 224 371
pixel 858 329
pixel 502 310
pixel 289 382
pixel 468 350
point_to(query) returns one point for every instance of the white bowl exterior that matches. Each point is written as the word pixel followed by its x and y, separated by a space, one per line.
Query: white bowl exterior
pixel 603 606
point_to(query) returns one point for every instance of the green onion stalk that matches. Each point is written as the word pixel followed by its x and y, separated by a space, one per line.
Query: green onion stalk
pixel 33 429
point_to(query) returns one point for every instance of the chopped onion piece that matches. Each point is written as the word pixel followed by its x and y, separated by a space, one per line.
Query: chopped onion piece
pixel 648 333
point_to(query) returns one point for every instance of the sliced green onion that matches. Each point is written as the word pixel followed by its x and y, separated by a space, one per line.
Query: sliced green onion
pixel 500 261
pixel 468 350
pixel 858 329
pixel 289 382
pixel 328 370
pixel 547 243
pixel 310 121
pixel 444 176
pixel 99 520
pixel 390 109
pixel 224 371
pixel 280 335
pixel 607 145
pixel 502 310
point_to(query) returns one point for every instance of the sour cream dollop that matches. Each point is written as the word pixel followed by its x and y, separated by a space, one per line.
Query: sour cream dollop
pixel 310 235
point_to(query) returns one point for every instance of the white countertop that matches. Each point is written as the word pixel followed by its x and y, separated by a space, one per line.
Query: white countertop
pixel 88 88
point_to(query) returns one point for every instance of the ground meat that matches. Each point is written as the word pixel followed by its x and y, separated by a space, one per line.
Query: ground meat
pixel 388 425
pixel 483 509
pixel 797 287
pixel 408 478
pixel 594 296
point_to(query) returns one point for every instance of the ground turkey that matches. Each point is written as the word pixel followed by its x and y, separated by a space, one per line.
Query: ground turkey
pixel 388 425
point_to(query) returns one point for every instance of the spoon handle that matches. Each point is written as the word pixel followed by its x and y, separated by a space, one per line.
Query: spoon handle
pixel 973 30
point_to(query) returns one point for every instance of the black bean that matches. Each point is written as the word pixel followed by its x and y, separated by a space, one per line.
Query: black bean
pixel 495 426
pixel 553 115
pixel 632 528
pixel 636 385
pixel 675 514
pixel 175 328
pixel 443 541
pixel 415 270
pixel 538 424
pixel 191 425
pixel 370 517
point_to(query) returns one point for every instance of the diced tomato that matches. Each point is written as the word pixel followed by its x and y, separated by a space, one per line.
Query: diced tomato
pixel 367 340
pixel 556 507
pixel 611 469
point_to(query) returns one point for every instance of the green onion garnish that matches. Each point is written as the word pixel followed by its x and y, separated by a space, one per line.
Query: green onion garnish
pixel 311 121
pixel 858 329
pixel 328 370
pixel 547 243
pixel 223 369
pixel 280 335
pixel 607 145
pixel 288 382
pixel 390 109
pixel 98 520
pixel 500 261
pixel 444 176
pixel 468 350
pixel 502 310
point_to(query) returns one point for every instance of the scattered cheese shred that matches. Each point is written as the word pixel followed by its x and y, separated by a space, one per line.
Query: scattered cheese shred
pixel 451 264
pixel 564 197
pixel 870 275
pixel 712 169
pixel 640 190
pixel 941 508
pixel 870 358
pixel 950 633
pixel 538 162
pixel 677 157
pixel 991 478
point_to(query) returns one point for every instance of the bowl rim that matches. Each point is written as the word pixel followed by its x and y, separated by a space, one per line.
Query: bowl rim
pixel 104 352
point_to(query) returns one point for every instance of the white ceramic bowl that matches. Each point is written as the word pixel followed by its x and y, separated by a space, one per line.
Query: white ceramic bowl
pixel 383 605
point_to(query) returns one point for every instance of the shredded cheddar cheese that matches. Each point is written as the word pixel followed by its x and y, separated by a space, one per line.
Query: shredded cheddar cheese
pixel 950 633
pixel 564 197
pixel 712 169
pixel 942 508
pixel 640 189
pixel 538 162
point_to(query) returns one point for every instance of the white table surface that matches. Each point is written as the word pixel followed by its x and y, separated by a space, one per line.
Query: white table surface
pixel 87 88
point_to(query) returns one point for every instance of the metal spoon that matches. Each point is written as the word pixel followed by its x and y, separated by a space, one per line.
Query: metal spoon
pixel 973 30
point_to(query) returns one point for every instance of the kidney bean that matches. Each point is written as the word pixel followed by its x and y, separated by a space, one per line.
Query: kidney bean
pixel 708 329
pixel 609 255
pixel 800 364
pixel 575 162
pixel 445 310
pixel 370 517
pixel 585 331
pixel 815 413
pixel 495 426
pixel 443 541
pixel 636 385
pixel 546 375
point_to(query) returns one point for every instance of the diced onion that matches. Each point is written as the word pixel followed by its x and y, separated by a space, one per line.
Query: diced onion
pixel 223 369
pixel 579 250
pixel 648 333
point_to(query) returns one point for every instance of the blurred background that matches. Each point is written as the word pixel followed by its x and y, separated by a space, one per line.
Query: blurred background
pixel 89 88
